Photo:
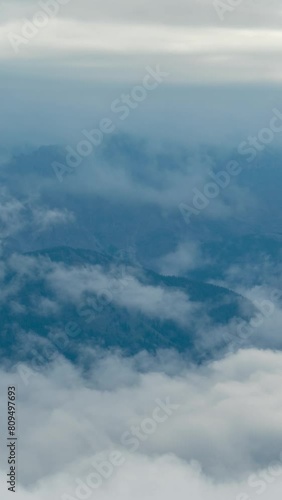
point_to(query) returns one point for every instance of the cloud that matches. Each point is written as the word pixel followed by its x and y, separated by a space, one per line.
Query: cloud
pixel 47 218
pixel 10 214
pixel 158 177
pixel 205 49
pixel 187 13
pixel 24 213
pixel 187 256
pixel 72 284
pixel 197 45
pixel 226 427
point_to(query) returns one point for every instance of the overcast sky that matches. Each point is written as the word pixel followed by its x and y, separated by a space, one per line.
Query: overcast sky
pixel 199 41
pixel 223 67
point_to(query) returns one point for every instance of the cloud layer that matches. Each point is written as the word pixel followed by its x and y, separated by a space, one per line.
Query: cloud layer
pixel 198 40
pixel 225 422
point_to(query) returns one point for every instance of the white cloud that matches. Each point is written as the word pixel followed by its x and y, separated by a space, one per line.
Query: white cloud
pixel 186 257
pixel 197 47
pixel 46 218
pixel 11 214
pixel 181 12
pixel 20 216
pixel 125 291
pixel 228 425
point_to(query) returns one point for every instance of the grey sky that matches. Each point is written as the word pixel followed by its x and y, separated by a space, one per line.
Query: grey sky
pixel 196 44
